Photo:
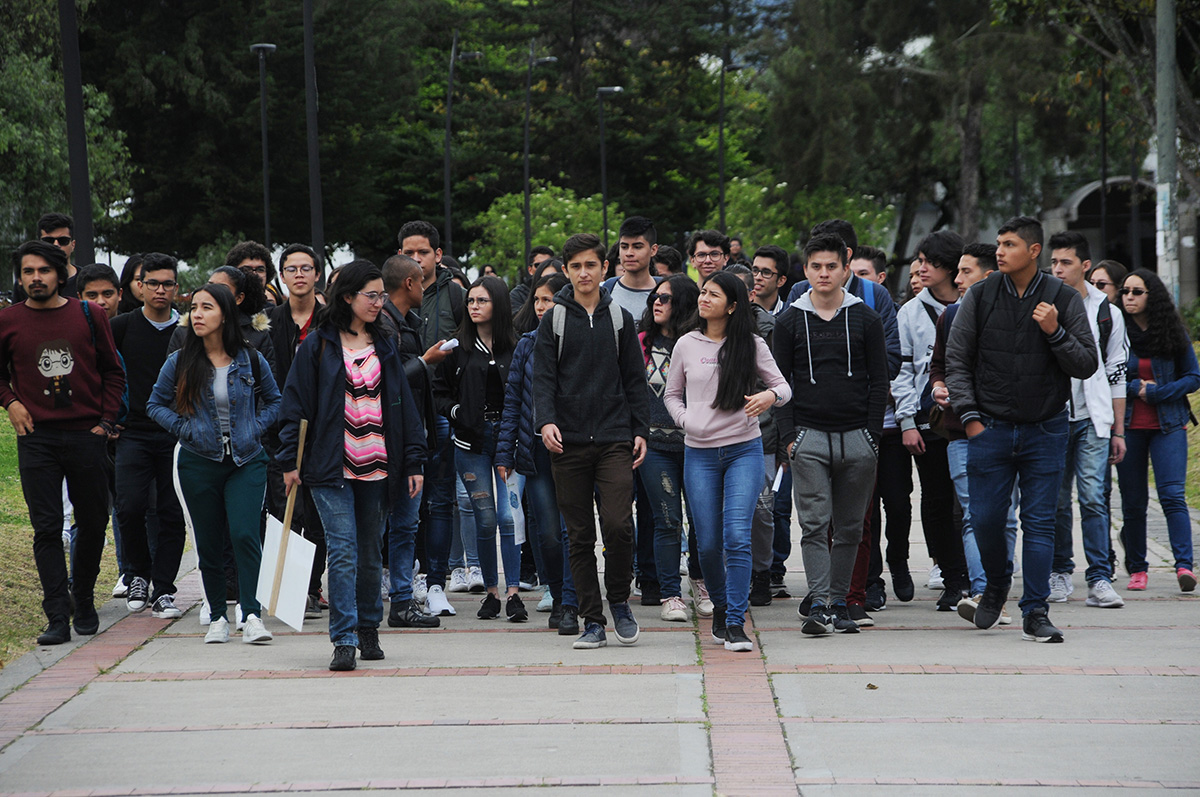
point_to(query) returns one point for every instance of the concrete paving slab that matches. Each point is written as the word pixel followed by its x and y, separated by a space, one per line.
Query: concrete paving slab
pixel 691 790
pixel 382 700
pixel 929 751
pixel 285 756
pixel 1073 697
pixel 973 790
pixel 424 649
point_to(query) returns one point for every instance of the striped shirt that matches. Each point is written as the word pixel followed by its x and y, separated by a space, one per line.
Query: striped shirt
pixel 366 449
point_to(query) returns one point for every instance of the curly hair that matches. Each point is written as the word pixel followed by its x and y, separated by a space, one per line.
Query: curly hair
pixel 1165 334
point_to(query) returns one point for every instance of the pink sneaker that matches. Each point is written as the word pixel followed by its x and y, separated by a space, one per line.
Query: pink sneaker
pixel 1187 579
pixel 1137 581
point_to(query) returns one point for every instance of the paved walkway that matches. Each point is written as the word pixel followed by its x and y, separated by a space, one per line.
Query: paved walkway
pixel 921 704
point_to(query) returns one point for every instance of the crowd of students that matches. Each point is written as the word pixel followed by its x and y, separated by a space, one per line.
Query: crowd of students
pixel 447 422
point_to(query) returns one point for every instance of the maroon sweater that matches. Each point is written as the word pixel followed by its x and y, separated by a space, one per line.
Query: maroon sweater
pixel 49 363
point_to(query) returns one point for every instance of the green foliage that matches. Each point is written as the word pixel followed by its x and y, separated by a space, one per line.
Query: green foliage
pixel 555 214
pixel 1191 319
pixel 208 257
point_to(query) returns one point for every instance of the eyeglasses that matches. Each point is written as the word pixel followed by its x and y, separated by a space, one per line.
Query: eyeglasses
pixel 1133 291
pixel 713 256
pixel 253 269
pixel 480 300
pixel 61 240
pixel 1102 284
pixel 373 297
pixel 658 298
pixel 154 285
pixel 763 272
pixel 292 270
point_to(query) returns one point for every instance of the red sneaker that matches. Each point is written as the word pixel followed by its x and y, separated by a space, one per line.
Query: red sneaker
pixel 1187 579
pixel 1137 581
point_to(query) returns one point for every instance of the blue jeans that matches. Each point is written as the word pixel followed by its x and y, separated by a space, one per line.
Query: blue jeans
pixel 439 495
pixel 1168 453
pixel 1033 455
pixel 1087 460
pixel 723 485
pixel 957 455
pixel 353 516
pixel 782 544
pixel 551 533
pixel 489 500
pixel 661 475
pixel 402 543
pixel 464 547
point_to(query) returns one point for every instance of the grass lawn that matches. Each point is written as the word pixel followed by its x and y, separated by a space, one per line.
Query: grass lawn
pixel 22 619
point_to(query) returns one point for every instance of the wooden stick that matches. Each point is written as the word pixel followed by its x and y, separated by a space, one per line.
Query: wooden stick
pixel 287 522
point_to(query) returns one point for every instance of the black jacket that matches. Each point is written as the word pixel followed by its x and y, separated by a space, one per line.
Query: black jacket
pixel 460 390
pixel 597 392
pixel 285 337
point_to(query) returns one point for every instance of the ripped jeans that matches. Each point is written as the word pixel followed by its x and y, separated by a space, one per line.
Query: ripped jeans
pixel 490 500
pixel 662 477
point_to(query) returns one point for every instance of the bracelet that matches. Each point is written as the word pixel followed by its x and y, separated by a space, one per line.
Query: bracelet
pixel 1118 435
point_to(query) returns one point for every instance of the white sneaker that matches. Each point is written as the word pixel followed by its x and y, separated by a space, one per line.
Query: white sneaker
pixel 254 631
pixel 205 613
pixel 119 589
pixel 683 568
pixel 1103 595
pixel 164 608
pixel 475 580
pixel 700 598
pixel 458 580
pixel 436 603
pixel 218 632
pixel 419 590
pixel 1060 587
pixel 935 581
pixel 237 613
pixel 547 601
pixel 674 610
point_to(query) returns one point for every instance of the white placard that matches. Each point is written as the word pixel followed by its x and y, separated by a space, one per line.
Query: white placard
pixel 297 569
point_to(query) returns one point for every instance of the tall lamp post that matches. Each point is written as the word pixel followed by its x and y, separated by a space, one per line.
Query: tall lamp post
pixel 316 208
pixel 726 66
pixel 455 56
pixel 601 93
pixel 262 51
pixel 77 160
pixel 528 99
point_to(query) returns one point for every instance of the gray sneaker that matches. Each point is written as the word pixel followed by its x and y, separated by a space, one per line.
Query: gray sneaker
pixel 1060 587
pixel 1103 595
pixel 623 623
pixel 591 638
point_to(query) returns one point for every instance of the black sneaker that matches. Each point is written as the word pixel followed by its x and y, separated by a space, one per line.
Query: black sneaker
pixel 842 624
pixel 368 644
pixel 138 595
pixel 736 639
pixel 651 594
pixel 1038 628
pixel 556 612
pixel 776 580
pixel 343 659
pixel 569 624
pixel 514 609
pixel 858 614
pixel 407 614
pixel 778 588
pixel 87 622
pixel 57 632
pixel 806 606
pixel 948 600
pixel 624 625
pixel 489 607
pixel 718 624
pixel 902 585
pixel 991 603
pixel 876 597
pixel 818 622
pixel 760 588
pixel 312 608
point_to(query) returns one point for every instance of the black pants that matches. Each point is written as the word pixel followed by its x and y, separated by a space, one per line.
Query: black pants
pixel 145 466
pixel 580 472
pixel 937 511
pixel 45 457
pixel 894 485
pixel 305 520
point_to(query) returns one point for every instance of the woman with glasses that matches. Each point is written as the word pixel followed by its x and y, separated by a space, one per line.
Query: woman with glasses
pixel 1107 275
pixel 469 390
pixel 365 445
pixel 670 314
pixel 1160 374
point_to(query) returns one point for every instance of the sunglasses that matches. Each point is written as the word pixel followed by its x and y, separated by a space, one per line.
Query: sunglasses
pixel 61 240
pixel 1101 284
pixel 1133 291
pixel 658 298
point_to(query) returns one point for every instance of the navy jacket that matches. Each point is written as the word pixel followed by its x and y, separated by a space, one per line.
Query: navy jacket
pixel 1174 378
pixel 518 434
pixel 316 391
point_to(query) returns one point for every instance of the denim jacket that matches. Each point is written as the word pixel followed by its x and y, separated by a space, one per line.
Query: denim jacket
pixel 1174 379
pixel 200 432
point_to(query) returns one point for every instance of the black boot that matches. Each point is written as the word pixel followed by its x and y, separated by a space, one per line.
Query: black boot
pixel 760 588
pixel 368 644
pixel 87 622
pixel 568 624
pixel 58 631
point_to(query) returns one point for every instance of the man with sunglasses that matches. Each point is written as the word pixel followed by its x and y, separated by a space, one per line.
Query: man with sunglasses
pixel 145 451
pixel 57 230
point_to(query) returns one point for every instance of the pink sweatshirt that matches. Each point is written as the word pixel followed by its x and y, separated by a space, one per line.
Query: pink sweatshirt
pixel 692 387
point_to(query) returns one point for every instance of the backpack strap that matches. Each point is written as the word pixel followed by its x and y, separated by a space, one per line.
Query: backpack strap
pixel 987 301
pixel 868 296
pixel 456 304
pixel 1104 323
pixel 929 311
pixel 87 313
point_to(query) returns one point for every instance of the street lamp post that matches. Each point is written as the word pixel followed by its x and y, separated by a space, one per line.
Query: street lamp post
pixel 601 93
pixel 528 99
pixel 455 55
pixel 726 66
pixel 262 51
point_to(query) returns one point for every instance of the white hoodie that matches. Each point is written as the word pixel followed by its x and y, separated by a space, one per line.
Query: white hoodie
pixel 918 330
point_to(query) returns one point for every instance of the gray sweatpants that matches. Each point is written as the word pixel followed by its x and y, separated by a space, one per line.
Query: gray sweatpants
pixel 833 476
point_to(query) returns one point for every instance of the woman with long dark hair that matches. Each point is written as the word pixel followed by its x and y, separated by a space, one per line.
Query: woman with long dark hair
pixel 365 449
pixel 714 370
pixel 670 314
pixel 469 389
pixel 217 397
pixel 1160 374
pixel 131 285
pixel 520 448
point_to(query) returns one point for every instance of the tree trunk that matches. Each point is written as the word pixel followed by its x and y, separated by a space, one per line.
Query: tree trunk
pixel 971 138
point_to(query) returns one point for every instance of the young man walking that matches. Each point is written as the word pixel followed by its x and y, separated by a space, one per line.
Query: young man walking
pixel 1017 341
pixel 591 411
pixel 61 384
pixel 637 243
